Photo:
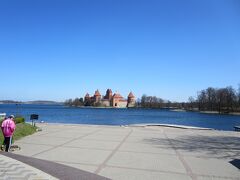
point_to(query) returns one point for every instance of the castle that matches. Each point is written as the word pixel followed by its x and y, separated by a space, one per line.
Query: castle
pixel 109 100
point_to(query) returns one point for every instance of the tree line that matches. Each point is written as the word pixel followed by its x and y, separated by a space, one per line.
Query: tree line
pixel 74 102
pixel 222 100
pixel 156 102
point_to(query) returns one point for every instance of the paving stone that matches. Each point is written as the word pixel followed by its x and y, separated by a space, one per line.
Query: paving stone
pixel 31 149
pixel 105 137
pixel 212 167
pixel 75 155
pixel 11 169
pixel 146 148
pixel 147 161
pixel 93 144
pixel 124 174
pixel 45 140
pixel 85 167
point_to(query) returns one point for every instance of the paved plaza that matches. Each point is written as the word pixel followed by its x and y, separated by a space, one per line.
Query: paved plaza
pixel 138 153
pixel 11 169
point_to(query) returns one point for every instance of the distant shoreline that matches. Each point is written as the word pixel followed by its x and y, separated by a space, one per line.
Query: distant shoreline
pixel 216 112
pixel 179 110
pixel 34 102
pixel 206 112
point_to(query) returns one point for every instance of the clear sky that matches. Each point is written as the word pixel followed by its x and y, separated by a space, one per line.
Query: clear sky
pixel 59 49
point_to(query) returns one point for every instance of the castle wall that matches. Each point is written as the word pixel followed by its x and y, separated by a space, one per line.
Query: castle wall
pixel 132 104
pixel 105 103
pixel 122 104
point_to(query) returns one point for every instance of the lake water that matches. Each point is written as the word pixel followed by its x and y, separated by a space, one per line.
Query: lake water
pixel 99 116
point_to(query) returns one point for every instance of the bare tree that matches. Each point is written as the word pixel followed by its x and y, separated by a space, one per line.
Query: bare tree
pixel 202 100
pixel 191 101
pixel 231 99
pixel 223 100
pixel 211 98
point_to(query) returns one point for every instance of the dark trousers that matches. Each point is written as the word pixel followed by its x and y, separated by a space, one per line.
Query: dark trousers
pixel 7 142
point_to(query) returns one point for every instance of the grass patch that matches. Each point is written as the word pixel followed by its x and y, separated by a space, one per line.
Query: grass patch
pixel 22 129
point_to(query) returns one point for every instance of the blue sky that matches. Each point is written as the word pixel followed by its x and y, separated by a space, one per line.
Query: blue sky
pixel 59 49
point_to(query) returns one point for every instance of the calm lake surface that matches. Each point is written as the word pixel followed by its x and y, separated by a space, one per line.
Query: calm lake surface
pixel 99 116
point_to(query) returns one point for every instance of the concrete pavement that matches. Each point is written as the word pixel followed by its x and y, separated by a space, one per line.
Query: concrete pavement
pixel 138 152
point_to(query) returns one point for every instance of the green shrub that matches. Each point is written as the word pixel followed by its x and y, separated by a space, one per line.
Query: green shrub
pixel 19 120
pixel 23 129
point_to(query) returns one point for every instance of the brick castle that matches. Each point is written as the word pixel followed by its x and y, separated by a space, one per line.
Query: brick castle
pixel 110 100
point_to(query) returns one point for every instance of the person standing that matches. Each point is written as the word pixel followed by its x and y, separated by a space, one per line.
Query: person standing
pixel 8 127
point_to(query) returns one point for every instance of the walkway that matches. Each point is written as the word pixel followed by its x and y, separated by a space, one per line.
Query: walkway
pixel 138 152
pixel 13 169
pixel 15 166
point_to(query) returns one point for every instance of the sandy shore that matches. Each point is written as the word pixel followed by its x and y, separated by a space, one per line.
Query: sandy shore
pixel 138 152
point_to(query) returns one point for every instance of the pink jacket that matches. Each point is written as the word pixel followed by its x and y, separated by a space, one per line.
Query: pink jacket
pixel 8 127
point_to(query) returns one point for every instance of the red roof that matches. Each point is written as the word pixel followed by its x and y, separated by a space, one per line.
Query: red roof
pixel 117 95
pixel 131 95
pixel 97 93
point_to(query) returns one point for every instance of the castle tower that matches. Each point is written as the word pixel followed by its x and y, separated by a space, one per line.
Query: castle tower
pixel 97 96
pixel 131 100
pixel 108 95
pixel 87 97
pixel 116 99
pixel 87 100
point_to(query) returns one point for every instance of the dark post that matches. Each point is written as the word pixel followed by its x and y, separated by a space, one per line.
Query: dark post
pixel 33 117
